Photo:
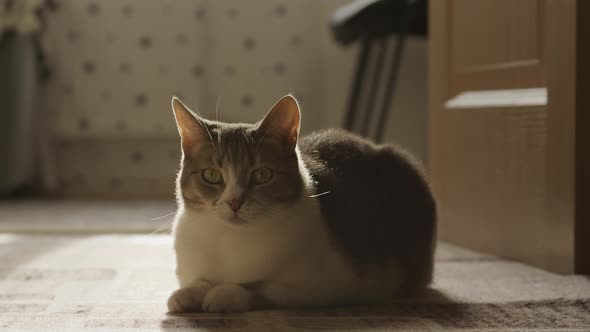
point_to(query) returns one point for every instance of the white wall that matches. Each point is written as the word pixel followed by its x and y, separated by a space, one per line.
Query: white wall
pixel 117 64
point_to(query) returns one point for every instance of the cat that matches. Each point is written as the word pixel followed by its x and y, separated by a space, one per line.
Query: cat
pixel 267 219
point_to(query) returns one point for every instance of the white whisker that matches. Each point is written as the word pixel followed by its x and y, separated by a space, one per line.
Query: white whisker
pixel 318 195
pixel 197 110
pixel 164 216
pixel 218 117
pixel 162 226
pixel 245 137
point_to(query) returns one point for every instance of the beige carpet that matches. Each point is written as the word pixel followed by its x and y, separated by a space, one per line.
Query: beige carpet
pixel 120 283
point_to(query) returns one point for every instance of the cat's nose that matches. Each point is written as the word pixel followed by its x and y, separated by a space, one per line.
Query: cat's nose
pixel 234 204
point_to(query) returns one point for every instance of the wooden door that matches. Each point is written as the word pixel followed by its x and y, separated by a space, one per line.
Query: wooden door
pixel 503 140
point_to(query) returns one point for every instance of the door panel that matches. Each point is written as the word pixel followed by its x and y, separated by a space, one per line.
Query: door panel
pixel 503 132
pixel 494 169
pixel 495 44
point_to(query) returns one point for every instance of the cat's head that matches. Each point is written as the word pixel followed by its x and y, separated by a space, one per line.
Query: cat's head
pixel 240 173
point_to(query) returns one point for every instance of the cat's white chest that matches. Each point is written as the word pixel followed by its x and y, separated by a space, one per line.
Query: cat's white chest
pixel 293 259
pixel 215 252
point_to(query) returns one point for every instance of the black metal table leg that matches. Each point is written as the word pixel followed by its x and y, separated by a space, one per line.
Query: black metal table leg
pixel 372 92
pixel 357 83
pixel 393 75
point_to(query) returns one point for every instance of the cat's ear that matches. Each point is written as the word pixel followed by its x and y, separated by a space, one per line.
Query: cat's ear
pixel 283 121
pixel 190 126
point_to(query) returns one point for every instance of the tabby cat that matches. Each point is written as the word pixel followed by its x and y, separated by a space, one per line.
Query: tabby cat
pixel 268 219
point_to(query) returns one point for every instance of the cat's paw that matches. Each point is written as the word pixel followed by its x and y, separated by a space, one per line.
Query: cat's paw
pixel 227 298
pixel 187 299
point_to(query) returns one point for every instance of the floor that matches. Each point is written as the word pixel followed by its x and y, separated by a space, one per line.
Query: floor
pixel 85 217
pixel 120 282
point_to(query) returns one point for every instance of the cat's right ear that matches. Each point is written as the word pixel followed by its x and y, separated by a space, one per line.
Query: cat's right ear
pixel 283 121
pixel 190 127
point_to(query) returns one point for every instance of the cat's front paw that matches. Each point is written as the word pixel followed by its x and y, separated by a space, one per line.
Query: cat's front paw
pixel 227 298
pixel 187 299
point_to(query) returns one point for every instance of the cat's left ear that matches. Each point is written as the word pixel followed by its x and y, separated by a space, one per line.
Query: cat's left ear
pixel 283 121
pixel 190 126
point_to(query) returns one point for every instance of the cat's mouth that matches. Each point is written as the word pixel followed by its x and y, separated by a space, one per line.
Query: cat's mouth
pixel 236 220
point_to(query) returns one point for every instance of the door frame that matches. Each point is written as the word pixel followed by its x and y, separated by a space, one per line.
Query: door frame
pixel 582 129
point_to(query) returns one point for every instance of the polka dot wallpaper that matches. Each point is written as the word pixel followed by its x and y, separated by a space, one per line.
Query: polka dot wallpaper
pixel 117 63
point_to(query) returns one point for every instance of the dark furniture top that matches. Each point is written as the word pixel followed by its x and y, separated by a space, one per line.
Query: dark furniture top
pixel 378 18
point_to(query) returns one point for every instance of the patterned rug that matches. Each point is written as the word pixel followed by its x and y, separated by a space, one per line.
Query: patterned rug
pixel 120 283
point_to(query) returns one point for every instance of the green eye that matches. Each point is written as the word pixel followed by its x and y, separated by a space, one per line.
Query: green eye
pixel 262 175
pixel 211 175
